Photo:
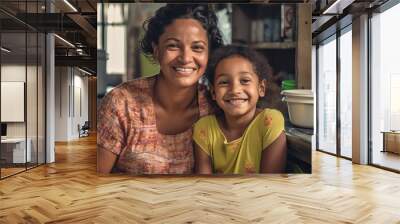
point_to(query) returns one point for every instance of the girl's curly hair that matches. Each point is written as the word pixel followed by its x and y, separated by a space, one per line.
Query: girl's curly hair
pixel 258 61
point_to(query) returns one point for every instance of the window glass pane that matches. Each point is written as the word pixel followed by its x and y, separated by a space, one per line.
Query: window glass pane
pixel 14 153
pixel 116 50
pixel 31 97
pixel 346 94
pixel 115 13
pixel 99 26
pixel 327 96
pixel 41 98
pixel 385 84
pixel 115 38
pixel 22 84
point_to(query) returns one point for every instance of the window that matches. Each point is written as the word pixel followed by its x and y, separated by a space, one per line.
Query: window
pixel 385 84
pixel 114 28
pixel 22 74
pixel 327 95
pixel 345 41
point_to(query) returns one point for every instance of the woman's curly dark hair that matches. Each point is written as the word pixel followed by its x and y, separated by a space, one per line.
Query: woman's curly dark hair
pixel 258 61
pixel 155 26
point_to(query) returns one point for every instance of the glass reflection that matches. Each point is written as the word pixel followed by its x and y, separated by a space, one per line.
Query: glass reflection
pixel 14 146
pixel 385 89
pixel 346 94
pixel 327 96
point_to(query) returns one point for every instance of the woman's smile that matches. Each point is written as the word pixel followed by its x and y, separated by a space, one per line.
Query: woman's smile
pixel 185 70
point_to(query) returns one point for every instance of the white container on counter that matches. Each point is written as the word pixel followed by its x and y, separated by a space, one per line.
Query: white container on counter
pixel 300 104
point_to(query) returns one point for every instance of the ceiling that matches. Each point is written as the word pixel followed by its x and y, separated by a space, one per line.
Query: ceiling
pixel 329 14
pixel 76 23
pixel 72 20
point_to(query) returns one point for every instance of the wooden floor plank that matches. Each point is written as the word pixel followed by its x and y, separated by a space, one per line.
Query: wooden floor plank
pixel 70 191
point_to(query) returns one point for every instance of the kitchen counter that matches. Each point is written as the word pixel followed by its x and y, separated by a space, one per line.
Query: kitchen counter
pixel 299 144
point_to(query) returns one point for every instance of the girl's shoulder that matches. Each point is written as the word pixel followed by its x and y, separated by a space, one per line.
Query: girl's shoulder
pixel 271 118
pixel 205 121
pixel 269 112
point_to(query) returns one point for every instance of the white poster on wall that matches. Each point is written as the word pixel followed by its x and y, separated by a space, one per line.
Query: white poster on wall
pixel 12 101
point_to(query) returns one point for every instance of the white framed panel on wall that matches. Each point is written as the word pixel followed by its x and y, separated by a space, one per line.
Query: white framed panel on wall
pixel 12 101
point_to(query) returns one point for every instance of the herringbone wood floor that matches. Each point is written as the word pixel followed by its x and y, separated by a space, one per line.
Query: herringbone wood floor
pixel 70 191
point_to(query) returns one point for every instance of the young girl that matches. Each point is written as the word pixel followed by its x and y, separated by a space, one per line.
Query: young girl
pixel 241 138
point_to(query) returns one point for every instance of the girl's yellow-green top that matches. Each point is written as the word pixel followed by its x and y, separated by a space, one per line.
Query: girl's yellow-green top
pixel 242 155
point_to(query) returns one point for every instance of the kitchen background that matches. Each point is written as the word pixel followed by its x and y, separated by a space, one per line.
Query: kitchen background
pixel 280 32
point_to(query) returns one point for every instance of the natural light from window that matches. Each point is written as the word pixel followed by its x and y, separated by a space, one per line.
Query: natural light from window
pixel 385 80
pixel 327 96
pixel 115 40
pixel 346 94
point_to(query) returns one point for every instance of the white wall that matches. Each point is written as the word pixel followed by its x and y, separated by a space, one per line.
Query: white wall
pixel 13 73
pixel 61 103
pixel 33 127
pixel 71 94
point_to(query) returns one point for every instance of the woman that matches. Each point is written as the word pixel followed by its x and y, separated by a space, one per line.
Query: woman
pixel 145 125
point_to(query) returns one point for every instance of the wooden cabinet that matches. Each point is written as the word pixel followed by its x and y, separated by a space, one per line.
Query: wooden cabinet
pixel 304 46
pixel 391 141
pixel 282 33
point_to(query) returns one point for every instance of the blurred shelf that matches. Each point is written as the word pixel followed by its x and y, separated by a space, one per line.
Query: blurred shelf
pixel 274 45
